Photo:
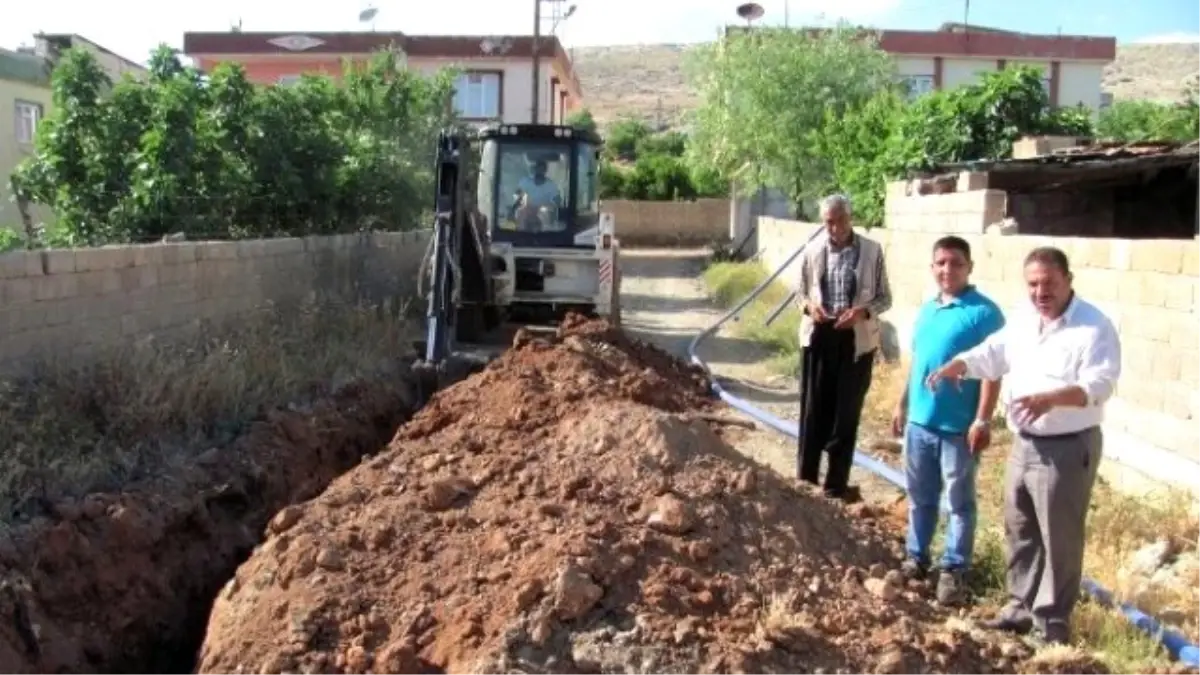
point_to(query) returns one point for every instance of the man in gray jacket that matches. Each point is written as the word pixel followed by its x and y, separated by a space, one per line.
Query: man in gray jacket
pixel 843 290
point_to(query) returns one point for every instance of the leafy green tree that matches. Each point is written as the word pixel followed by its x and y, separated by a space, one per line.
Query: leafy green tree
pixel 1134 121
pixel 582 119
pixel 887 136
pixel 214 156
pixel 764 95
pixel 622 138
pixel 669 143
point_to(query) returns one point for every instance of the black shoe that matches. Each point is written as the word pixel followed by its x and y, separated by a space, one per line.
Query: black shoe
pixel 914 570
pixel 1009 624
pixel 1054 634
pixel 951 587
pixel 849 495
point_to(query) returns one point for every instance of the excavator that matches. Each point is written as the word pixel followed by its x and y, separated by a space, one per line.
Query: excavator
pixel 518 234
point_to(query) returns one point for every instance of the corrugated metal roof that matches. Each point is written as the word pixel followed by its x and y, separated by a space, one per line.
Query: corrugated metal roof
pixel 1096 155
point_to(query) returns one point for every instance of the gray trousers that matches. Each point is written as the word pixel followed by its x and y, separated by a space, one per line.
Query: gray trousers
pixel 1047 492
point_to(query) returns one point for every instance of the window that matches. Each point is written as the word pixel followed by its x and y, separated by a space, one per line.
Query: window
pixel 477 95
pixel 585 181
pixel 918 85
pixel 288 80
pixel 28 115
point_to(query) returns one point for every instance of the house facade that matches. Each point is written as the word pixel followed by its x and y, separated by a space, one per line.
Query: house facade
pixel 25 100
pixel 959 54
pixel 496 84
pixel 956 55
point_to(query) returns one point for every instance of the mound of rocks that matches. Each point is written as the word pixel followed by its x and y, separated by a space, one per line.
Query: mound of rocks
pixel 574 508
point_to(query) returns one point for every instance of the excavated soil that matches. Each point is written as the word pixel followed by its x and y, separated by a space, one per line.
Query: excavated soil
pixel 574 508
pixel 124 582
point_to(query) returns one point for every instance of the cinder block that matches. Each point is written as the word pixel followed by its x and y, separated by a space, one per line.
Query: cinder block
pixel 1137 357
pixel 103 258
pixel 1165 366
pixel 1120 254
pixel 1179 292
pixel 972 180
pixel 178 253
pixel 1189 366
pixel 1156 255
pixel 133 279
pixel 1184 331
pixel 16 291
pixel 1153 323
pixel 217 250
pixel 59 261
pixel 146 255
pixel 53 287
pixel 1190 263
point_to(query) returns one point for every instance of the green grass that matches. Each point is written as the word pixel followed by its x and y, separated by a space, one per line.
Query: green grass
pixel 730 282
pixel 1118 524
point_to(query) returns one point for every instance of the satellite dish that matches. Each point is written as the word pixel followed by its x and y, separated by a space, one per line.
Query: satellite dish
pixel 367 14
pixel 750 11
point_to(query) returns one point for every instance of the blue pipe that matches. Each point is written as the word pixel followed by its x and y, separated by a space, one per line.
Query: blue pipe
pixel 1175 643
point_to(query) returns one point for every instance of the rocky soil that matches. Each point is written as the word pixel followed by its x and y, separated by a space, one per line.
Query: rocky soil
pixel 575 508
pixel 123 582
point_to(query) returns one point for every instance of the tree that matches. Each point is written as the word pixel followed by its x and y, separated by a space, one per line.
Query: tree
pixel 1134 121
pixel 887 136
pixel 764 95
pixel 219 157
pixel 582 119
pixel 622 138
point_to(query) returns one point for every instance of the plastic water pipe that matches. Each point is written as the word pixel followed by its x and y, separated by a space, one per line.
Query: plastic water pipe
pixel 1175 643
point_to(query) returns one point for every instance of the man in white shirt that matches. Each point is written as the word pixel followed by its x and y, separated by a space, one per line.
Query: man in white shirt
pixel 1061 362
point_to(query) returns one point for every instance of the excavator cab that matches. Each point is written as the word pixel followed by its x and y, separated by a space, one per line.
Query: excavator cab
pixel 552 250
pixel 517 231
pixel 539 185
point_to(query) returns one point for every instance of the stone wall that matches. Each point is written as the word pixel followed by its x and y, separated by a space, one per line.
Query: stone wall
pixel 669 223
pixel 1148 287
pixel 76 301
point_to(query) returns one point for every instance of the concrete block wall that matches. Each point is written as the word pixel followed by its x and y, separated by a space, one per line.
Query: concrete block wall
pixel 76 301
pixel 1149 288
pixel 645 223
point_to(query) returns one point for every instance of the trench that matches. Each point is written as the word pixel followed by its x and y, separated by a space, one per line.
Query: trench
pixel 126 582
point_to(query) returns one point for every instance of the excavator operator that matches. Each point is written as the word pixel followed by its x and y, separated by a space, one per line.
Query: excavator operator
pixel 535 194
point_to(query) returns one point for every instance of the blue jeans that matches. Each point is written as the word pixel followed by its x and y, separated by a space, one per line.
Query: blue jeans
pixel 933 459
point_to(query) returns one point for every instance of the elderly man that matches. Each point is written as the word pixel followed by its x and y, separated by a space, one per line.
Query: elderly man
pixel 843 290
pixel 1062 360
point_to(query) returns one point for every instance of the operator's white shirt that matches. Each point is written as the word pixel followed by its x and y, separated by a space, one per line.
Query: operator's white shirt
pixel 539 195
pixel 1079 348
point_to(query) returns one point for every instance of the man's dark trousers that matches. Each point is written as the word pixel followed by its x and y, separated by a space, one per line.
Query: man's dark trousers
pixel 833 387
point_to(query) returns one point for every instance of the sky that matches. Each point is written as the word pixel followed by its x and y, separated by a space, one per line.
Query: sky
pixel 133 27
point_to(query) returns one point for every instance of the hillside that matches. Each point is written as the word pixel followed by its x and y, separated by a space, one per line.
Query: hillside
pixel 649 80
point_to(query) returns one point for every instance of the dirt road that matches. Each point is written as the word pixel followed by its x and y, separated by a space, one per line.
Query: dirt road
pixel 664 302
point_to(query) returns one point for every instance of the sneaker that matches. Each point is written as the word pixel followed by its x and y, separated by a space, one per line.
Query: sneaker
pixel 951 588
pixel 913 570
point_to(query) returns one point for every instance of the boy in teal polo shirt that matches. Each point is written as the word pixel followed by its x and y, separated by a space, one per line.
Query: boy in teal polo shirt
pixel 945 430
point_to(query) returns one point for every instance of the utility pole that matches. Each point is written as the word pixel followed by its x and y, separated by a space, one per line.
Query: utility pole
pixel 537 33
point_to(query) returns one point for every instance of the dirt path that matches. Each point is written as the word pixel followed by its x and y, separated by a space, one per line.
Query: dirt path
pixel 664 302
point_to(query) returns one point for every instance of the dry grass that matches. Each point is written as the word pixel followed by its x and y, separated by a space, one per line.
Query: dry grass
pixel 135 412
pixel 1118 524
pixel 648 81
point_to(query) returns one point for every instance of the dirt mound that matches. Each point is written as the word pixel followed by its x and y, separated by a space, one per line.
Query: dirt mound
pixel 124 582
pixel 574 508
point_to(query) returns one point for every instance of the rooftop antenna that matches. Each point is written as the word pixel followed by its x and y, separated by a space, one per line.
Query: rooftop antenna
pixel 750 11
pixel 368 15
